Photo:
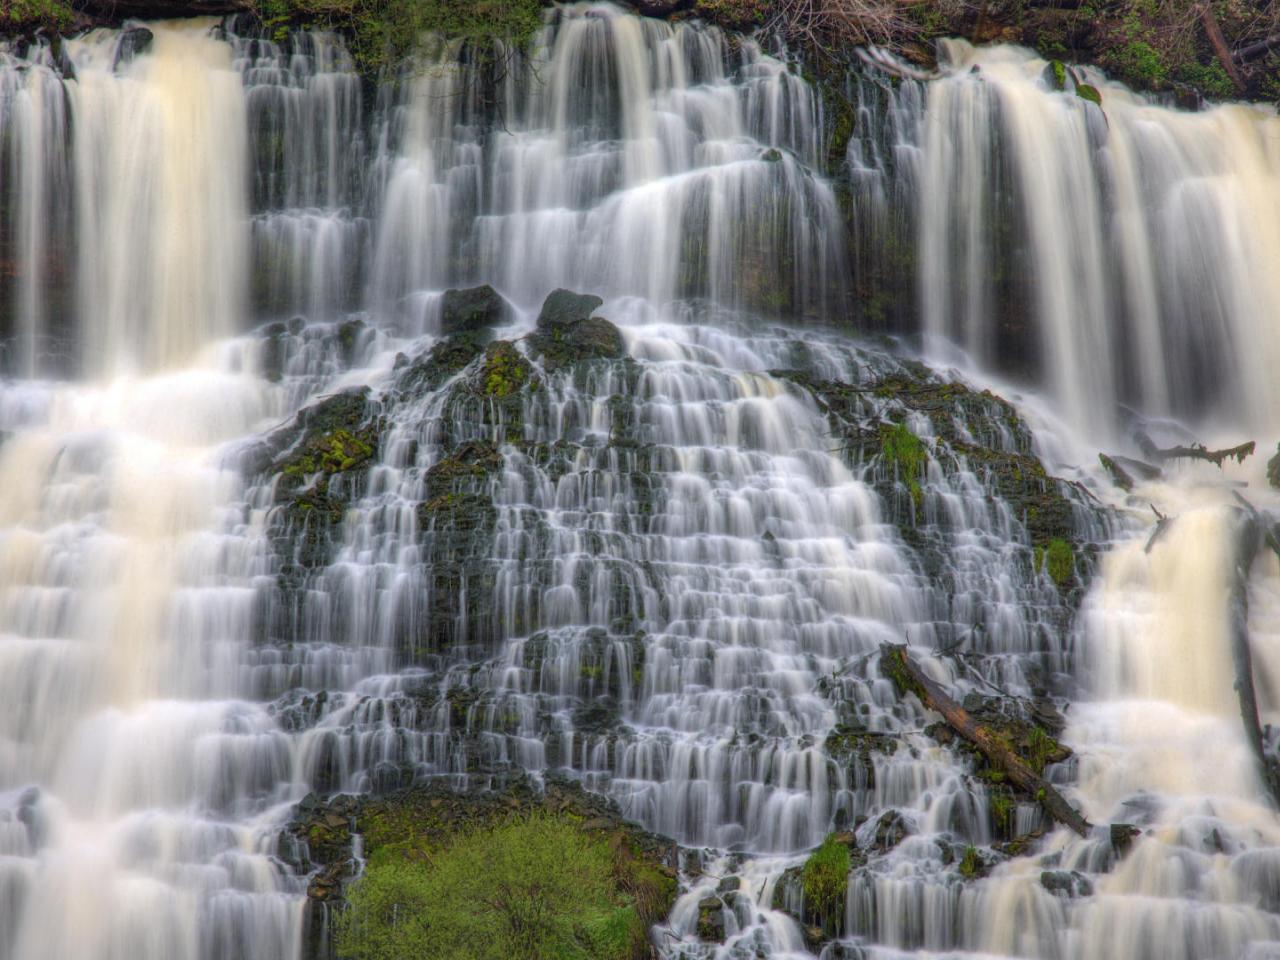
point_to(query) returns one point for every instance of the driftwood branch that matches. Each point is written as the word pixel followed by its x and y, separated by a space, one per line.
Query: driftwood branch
pixel 1219 44
pixel 1248 538
pixel 896 664
pixel 1195 451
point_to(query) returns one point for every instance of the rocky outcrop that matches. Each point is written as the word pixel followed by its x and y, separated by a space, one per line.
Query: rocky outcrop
pixel 319 840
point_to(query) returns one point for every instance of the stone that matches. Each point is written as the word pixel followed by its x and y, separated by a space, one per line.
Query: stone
pixel 565 307
pixel 471 310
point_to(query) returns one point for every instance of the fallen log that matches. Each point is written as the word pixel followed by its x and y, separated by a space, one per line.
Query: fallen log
pixel 1219 44
pixel 909 678
pixel 1195 451
pixel 1247 539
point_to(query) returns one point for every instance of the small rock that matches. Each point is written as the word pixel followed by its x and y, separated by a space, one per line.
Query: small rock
pixel 711 919
pixel 1067 883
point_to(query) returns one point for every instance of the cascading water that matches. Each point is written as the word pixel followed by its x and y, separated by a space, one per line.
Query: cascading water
pixel 357 547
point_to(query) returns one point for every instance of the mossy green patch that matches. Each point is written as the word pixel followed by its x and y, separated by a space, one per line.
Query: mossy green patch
pixel 535 884
pixel 504 371
pixel 1086 91
pixel 971 865
pixel 384 32
pixel 825 877
pixel 1057 559
pixel 906 452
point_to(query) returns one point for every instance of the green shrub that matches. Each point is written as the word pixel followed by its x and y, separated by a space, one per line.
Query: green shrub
pixel 825 877
pixel 904 449
pixel 538 888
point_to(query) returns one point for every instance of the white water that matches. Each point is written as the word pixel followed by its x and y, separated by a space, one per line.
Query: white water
pixel 156 720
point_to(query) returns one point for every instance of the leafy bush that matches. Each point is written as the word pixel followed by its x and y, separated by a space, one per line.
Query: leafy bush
pixel 538 888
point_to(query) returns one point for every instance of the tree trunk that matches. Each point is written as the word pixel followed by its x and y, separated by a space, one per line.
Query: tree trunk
pixel 1220 48
pixel 896 664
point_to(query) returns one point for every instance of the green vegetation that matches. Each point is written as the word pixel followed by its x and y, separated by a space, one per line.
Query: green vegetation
pixel 904 450
pixel 1087 91
pixel 1041 748
pixel 825 877
pixel 382 32
pixel 1059 71
pixel 505 370
pixel 34 14
pixel 331 453
pixel 538 887
pixel 971 865
pixel 1057 559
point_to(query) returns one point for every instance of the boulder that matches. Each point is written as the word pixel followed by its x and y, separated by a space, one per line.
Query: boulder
pixel 471 310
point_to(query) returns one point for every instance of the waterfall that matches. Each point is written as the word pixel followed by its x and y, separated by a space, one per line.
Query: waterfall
pixel 659 555
pixel 1131 236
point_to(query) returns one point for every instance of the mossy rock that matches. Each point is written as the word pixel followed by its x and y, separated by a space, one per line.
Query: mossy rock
pixel 567 333
pixel 442 362
pixel 563 307
pixel 503 372
pixel 472 310
pixel 467 467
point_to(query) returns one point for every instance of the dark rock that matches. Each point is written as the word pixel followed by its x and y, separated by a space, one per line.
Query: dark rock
pixel 1122 836
pixel 1273 469
pixel 472 310
pixel 1066 883
pixel 564 307
pixel 567 333
pixel 711 920
pixel 890 830
pixel 134 41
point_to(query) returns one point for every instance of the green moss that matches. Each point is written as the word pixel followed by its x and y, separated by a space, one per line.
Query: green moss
pixel 1002 809
pixel 1057 559
pixel 1086 91
pixel 971 865
pixel 330 453
pixel 825 877
pixel 383 32
pixel 34 14
pixel 1210 79
pixel 905 451
pixel 505 370
pixel 893 664
pixel 1041 748
pixel 1059 71
pixel 539 887
pixel 734 14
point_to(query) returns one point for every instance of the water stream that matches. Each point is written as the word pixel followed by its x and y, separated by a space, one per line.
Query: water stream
pixel 684 562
